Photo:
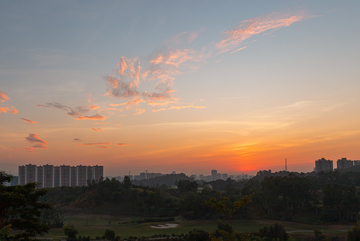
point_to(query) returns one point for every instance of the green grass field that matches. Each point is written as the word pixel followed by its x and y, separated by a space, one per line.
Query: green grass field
pixel 95 225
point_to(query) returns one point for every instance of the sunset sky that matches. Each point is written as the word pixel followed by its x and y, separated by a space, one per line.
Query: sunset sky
pixel 185 86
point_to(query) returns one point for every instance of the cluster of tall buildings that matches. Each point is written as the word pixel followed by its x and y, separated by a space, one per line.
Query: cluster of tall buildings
pixel 327 165
pixel 48 176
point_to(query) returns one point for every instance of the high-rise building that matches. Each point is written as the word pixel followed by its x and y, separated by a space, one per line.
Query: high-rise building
pixel 225 176
pixel 323 165
pixel 81 175
pixel 343 163
pixel 214 174
pixel 65 176
pixel 21 179
pixel 48 176
pixel 40 176
pixel 56 176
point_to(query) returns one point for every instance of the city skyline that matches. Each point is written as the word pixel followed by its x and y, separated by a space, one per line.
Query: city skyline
pixel 179 86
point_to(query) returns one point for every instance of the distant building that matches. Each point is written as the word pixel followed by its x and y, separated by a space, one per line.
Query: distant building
pixel 49 176
pixel 343 163
pixel 225 176
pixel 356 163
pixel 323 165
pixel 214 174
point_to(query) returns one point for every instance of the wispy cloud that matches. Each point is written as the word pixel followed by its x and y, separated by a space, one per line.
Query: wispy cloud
pixel 250 27
pixel 139 111
pixel 96 144
pixel 76 112
pixel 129 103
pixel 38 143
pixel 93 117
pixel 29 121
pixel 174 58
pixel 97 129
pixel 178 107
pixel 77 140
pixel 128 82
pixel 123 144
pixel 3 96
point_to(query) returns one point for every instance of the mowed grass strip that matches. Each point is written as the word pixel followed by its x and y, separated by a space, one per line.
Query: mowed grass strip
pixel 95 225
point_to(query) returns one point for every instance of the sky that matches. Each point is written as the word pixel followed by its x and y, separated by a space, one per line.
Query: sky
pixel 185 86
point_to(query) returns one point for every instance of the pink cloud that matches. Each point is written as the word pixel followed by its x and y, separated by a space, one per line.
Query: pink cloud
pixel 3 96
pixel 128 82
pixel 29 121
pixel 250 27
pixel 38 143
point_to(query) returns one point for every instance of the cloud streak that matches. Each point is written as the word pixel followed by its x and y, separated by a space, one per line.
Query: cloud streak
pixel 250 27
pixel 29 121
pixel 97 129
pixel 77 112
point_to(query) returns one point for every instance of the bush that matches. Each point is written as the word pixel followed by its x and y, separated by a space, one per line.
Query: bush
pixel 109 234
pixel 275 231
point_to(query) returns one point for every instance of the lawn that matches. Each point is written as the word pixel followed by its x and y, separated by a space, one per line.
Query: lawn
pixel 95 225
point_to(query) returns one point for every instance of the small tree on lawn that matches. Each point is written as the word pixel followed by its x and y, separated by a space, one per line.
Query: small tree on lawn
pixel 70 231
pixel 109 234
pixel 228 208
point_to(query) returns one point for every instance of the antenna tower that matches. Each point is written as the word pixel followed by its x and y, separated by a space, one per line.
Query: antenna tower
pixel 285 164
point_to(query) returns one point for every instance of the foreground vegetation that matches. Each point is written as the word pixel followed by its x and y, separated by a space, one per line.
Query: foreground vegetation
pixel 258 209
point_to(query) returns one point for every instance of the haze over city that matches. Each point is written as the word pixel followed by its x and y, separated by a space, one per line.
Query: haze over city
pixel 185 86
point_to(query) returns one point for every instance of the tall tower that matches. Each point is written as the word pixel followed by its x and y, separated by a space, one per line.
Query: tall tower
pixel 285 164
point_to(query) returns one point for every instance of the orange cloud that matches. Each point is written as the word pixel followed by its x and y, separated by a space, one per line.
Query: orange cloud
pixel 161 103
pixel 3 96
pixel 139 111
pixel 34 139
pixel 92 107
pixel 6 109
pixel 29 121
pixel 133 102
pixel 97 129
pixel 13 110
pixel 94 117
pixel 250 27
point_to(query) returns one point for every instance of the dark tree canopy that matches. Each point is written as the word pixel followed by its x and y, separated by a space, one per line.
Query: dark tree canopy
pixel 20 208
